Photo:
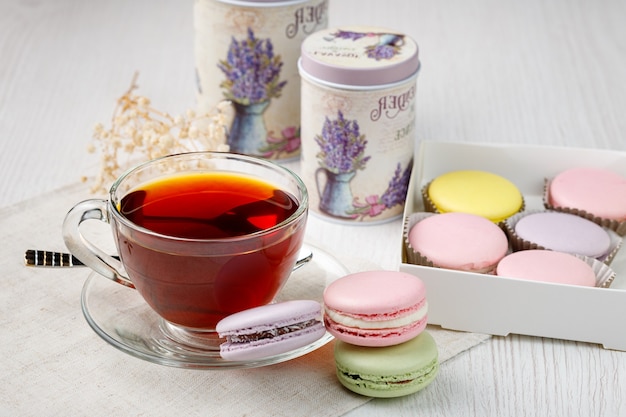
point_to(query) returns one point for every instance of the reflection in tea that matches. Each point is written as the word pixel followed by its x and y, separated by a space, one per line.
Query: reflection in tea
pixel 207 206
pixel 193 287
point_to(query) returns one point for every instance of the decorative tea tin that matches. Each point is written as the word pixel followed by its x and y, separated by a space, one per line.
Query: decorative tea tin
pixel 358 121
pixel 247 52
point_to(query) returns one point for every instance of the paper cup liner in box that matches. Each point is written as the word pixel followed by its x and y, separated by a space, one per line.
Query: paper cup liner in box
pixel 414 257
pixel 604 274
pixel 617 226
pixel 429 206
pixel 518 243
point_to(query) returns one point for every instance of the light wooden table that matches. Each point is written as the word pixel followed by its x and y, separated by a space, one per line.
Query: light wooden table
pixel 537 72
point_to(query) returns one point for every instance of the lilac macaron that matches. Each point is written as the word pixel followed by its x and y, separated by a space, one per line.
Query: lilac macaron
pixel 564 232
pixel 270 330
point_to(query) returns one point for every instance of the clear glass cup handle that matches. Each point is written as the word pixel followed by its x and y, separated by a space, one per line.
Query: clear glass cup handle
pixel 83 249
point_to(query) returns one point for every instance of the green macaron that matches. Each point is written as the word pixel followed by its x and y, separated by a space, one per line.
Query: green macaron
pixel 390 371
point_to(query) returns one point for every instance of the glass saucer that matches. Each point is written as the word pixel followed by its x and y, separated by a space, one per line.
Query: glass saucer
pixel 121 317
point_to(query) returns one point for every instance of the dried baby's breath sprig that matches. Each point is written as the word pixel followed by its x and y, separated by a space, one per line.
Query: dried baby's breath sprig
pixel 139 132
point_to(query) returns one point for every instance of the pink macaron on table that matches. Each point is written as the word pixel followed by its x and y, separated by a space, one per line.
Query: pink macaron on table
pixel 375 308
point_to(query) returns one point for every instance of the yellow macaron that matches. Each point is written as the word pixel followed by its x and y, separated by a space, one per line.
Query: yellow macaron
pixel 476 192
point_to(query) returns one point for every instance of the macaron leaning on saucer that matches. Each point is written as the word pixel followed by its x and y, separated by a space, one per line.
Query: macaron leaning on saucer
pixel 270 330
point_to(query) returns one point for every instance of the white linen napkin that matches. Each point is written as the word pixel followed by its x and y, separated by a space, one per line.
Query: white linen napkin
pixel 54 364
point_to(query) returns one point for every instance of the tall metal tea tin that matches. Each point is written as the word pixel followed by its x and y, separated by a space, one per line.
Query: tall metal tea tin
pixel 247 52
pixel 358 121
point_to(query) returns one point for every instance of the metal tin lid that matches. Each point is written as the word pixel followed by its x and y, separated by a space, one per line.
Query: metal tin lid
pixel 359 56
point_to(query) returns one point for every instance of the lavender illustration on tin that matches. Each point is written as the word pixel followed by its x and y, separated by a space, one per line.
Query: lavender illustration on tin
pixel 387 45
pixel 394 194
pixel 341 156
pixel 342 153
pixel 342 147
pixel 252 73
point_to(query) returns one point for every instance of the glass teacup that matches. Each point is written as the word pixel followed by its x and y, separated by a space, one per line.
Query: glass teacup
pixel 200 235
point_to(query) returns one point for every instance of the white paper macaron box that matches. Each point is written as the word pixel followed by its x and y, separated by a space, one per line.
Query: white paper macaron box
pixel 499 306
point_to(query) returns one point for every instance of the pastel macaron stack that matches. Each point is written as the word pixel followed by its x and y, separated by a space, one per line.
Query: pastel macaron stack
pixel 379 320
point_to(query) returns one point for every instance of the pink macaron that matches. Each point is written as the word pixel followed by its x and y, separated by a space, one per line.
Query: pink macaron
pixel 597 191
pixel 270 330
pixel 547 266
pixel 459 241
pixel 375 308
